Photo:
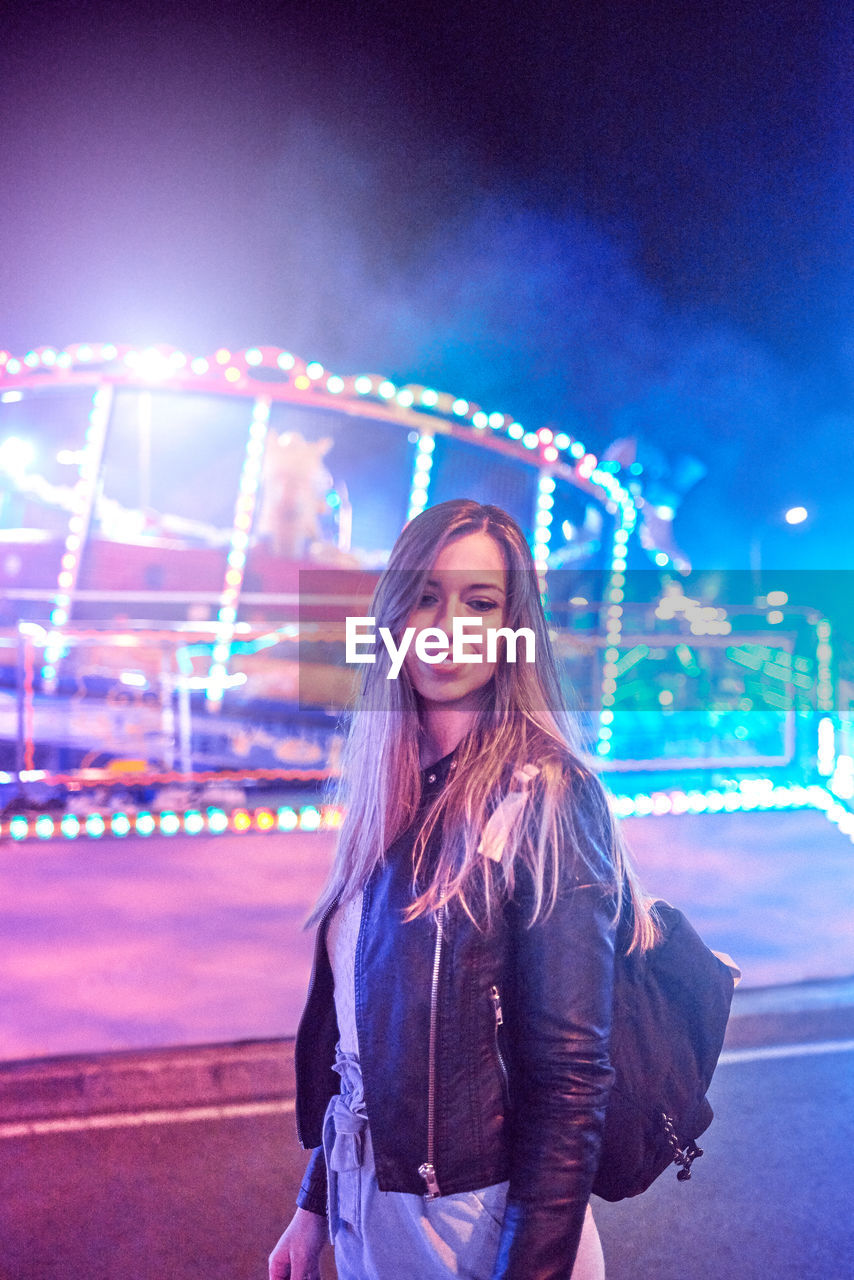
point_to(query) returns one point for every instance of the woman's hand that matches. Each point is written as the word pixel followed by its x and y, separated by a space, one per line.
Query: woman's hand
pixel 297 1253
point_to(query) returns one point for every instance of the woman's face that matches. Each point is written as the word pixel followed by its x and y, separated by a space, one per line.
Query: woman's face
pixel 468 580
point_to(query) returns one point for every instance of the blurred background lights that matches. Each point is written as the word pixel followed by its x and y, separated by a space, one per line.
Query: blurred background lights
pixel 287 819
pixel 796 515
pixel 217 820
pixel 16 456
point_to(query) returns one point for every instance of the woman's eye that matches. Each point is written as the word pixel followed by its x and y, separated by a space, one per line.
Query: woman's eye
pixel 483 606
pixel 427 599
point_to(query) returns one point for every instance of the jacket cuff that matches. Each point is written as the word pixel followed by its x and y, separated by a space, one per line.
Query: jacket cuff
pixel 312 1192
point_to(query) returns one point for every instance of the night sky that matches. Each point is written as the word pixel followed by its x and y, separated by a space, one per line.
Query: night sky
pixel 623 219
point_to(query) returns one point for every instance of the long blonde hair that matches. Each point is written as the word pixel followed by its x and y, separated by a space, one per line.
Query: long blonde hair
pixel 521 721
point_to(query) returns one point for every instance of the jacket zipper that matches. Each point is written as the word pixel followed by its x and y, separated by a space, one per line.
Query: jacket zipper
pixel 499 1022
pixel 428 1169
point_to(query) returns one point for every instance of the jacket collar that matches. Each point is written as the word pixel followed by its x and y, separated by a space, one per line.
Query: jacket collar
pixel 434 776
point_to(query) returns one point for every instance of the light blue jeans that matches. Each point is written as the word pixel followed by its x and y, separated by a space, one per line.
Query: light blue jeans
pixel 384 1235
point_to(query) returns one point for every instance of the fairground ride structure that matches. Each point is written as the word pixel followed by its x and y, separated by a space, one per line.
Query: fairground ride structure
pixel 181 537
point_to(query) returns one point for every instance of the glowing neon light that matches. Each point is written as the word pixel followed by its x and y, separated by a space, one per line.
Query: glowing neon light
pixel 82 503
pixel 244 511
pixel 420 483
pixel 747 795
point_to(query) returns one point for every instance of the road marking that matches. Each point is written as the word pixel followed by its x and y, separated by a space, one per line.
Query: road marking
pixel 767 1052
pixel 132 1119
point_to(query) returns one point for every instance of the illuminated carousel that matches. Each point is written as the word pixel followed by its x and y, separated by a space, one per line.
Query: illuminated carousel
pixel 181 537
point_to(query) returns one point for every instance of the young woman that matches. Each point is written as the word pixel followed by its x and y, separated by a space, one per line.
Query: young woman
pixel 452 1060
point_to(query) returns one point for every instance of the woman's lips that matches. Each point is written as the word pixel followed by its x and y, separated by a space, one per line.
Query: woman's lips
pixel 446 668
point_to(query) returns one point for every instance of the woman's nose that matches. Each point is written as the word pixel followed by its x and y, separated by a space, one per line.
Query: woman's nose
pixel 444 618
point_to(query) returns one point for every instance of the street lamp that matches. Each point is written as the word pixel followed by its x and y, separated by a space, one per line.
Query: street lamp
pixel 791 516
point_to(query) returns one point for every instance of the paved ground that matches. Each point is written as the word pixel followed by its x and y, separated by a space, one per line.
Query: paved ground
pixel 182 1164
pixel 121 944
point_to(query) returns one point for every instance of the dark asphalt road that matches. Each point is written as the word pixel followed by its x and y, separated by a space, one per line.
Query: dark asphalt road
pixel 189 1198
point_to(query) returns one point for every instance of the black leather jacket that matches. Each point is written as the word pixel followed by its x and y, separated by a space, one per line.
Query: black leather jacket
pixel 520 1022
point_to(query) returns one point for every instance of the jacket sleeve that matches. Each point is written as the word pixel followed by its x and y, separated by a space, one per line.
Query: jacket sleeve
pixel 562 979
pixel 312 1192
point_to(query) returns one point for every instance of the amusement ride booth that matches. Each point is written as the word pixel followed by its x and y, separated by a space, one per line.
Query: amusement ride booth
pixel 181 537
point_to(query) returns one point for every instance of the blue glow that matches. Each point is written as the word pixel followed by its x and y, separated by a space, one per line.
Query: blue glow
pixel 217 820
pixel 309 818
